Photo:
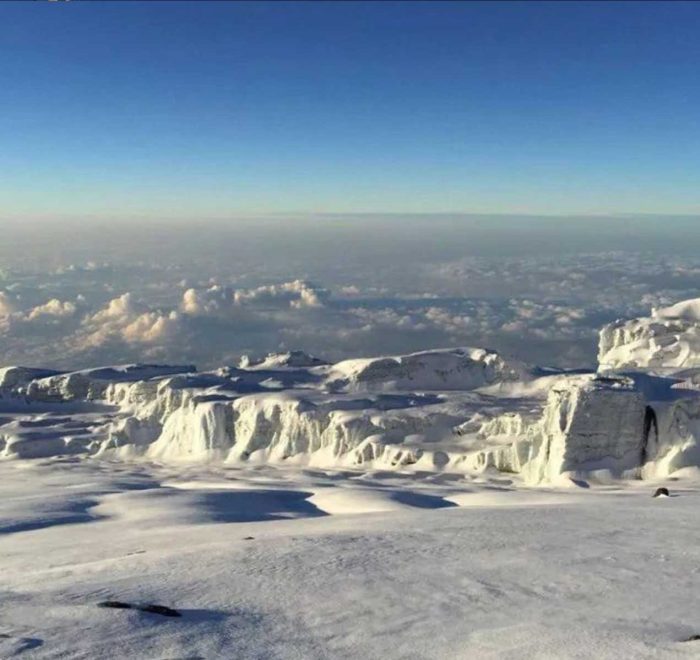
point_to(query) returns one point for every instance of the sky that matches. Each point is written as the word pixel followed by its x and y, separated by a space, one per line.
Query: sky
pixel 195 182
pixel 189 110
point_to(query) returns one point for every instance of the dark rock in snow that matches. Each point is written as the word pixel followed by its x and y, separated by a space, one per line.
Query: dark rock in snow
pixel 159 609
pixel 693 638
pixel 150 608
pixel 115 604
pixel 661 492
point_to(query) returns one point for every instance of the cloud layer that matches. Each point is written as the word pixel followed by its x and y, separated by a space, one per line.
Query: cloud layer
pixel 542 309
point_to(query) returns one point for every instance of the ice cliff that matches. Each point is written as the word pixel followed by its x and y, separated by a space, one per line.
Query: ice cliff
pixel 461 410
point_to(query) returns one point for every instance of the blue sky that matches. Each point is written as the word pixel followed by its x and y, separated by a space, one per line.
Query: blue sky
pixel 215 109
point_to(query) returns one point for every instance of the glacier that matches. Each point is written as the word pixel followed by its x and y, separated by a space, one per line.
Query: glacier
pixel 461 410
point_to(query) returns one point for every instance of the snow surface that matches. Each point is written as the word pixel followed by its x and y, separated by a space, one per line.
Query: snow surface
pixel 289 563
pixel 443 504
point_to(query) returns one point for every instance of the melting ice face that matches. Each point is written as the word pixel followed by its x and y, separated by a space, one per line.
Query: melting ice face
pixel 337 287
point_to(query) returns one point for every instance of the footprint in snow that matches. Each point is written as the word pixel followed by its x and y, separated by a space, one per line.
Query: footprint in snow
pixel 11 645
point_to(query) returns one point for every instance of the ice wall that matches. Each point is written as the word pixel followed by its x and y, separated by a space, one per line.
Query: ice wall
pixel 595 426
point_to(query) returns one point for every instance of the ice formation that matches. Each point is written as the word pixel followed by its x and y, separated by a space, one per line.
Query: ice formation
pixel 462 410
pixel 668 339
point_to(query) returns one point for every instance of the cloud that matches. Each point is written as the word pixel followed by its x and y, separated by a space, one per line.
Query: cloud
pixel 117 309
pixel 217 300
pixel 196 303
pixel 124 319
pixel 7 307
pixel 544 308
pixel 350 290
pixel 151 327
pixel 12 318
pixel 53 308
pixel 213 300
pixel 297 294
pixel 387 318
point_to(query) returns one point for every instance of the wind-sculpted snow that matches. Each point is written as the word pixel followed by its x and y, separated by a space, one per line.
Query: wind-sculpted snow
pixel 462 410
